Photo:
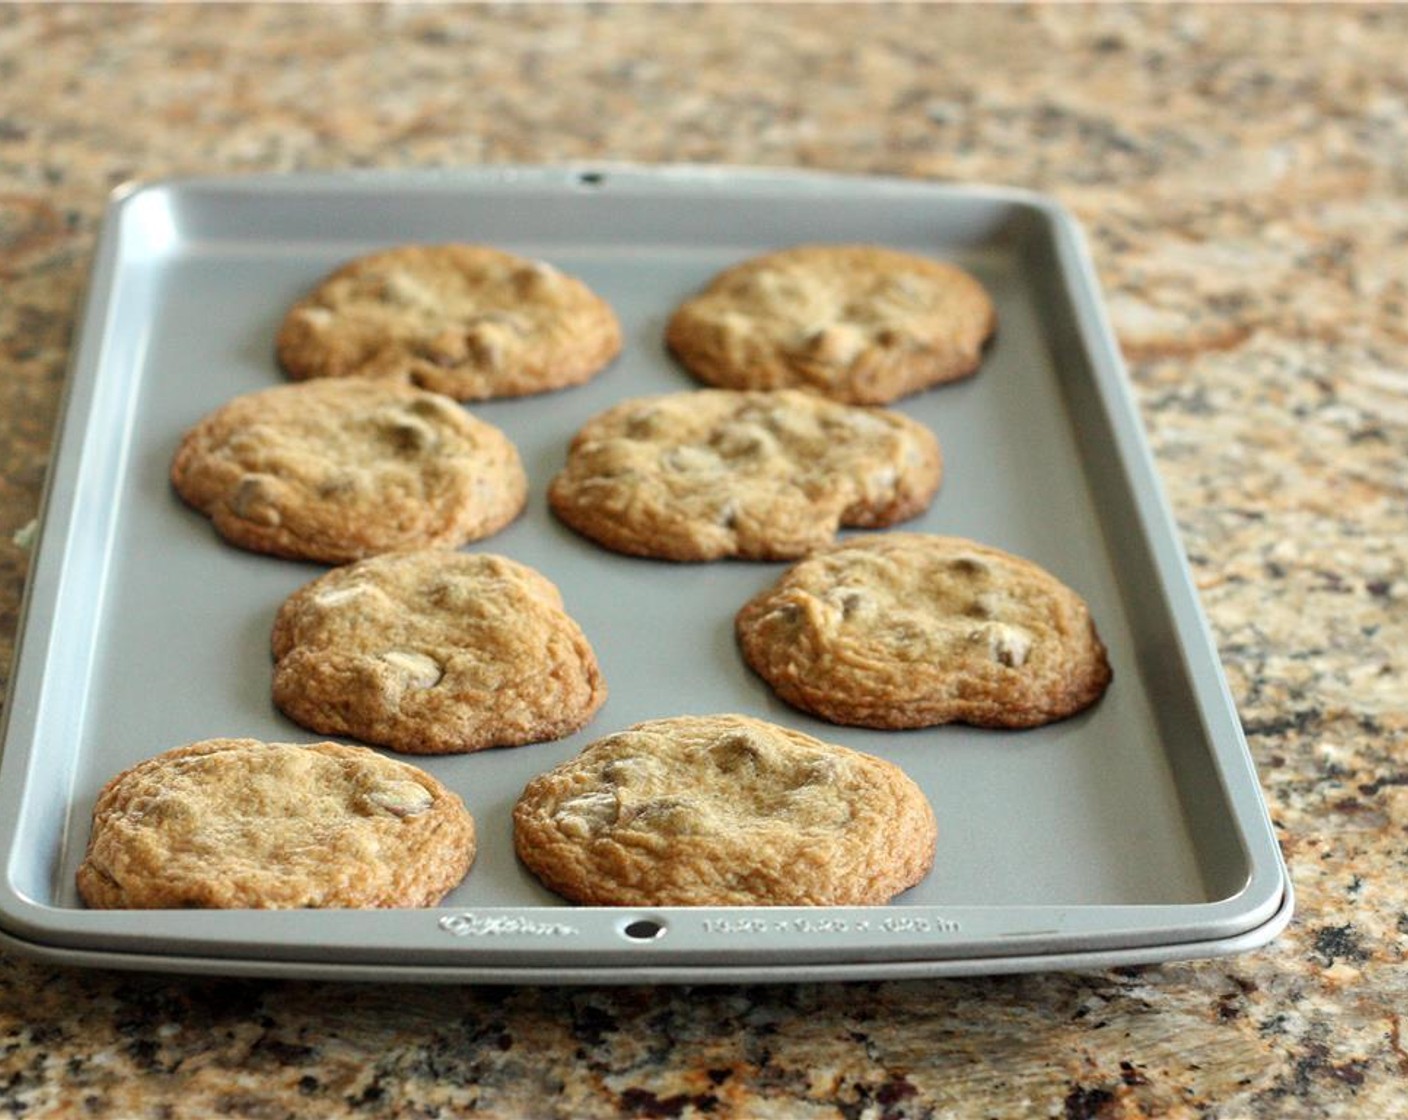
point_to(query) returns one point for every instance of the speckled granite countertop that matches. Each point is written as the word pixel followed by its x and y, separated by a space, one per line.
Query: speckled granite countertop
pixel 1243 174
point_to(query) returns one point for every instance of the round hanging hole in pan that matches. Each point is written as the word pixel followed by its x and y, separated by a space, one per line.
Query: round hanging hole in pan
pixel 643 929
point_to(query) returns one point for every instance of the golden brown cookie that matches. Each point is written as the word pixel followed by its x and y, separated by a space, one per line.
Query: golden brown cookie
pixel 911 630
pixel 856 323
pixel 468 321
pixel 762 476
pixel 236 823
pixel 434 653
pixel 337 470
pixel 724 811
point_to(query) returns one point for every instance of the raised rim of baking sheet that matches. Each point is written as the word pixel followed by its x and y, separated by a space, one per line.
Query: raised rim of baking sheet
pixel 1133 833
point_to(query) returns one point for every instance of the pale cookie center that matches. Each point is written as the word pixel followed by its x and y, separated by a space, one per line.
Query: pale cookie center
pixel 692 460
pixel 836 344
pixel 588 814
pixel 907 290
pixel 404 290
pixel 776 291
pixel 743 440
pixel 401 799
pixel 418 670
pixel 336 596
pixel 952 610
pixel 734 784
pixel 859 425
pixel 882 480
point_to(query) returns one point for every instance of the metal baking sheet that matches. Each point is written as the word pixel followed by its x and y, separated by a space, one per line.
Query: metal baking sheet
pixel 1134 832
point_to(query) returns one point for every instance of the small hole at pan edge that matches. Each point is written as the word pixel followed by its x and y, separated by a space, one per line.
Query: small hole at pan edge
pixel 643 929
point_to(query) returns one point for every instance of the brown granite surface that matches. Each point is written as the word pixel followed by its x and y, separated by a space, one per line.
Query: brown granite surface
pixel 1243 176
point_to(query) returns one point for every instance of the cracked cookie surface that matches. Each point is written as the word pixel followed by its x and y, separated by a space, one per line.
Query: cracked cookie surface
pixel 335 471
pixel 757 475
pixel 861 324
pixel 724 811
pixel 434 653
pixel 236 823
pixel 469 321
pixel 912 630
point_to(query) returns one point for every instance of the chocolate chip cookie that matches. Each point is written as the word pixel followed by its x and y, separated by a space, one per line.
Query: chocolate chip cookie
pixel 724 811
pixel 911 630
pixel 726 473
pixel 334 471
pixel 235 823
pixel 469 321
pixel 856 323
pixel 434 653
